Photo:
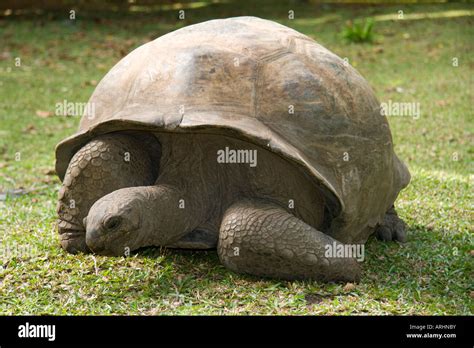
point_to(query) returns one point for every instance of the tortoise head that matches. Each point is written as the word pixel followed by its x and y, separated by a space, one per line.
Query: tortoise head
pixel 136 217
pixel 113 225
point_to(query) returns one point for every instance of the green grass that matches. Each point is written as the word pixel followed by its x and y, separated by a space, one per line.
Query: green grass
pixel 359 31
pixel 411 61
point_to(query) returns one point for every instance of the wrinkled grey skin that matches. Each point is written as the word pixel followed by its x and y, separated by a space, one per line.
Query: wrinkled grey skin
pixel 266 220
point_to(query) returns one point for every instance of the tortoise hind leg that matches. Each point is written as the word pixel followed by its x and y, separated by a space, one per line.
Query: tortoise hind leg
pixel 263 239
pixel 392 228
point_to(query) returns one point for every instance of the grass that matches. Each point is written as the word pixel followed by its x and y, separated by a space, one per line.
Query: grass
pixel 359 31
pixel 411 61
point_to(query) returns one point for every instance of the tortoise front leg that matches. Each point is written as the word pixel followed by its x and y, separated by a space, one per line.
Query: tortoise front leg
pixel 105 164
pixel 263 239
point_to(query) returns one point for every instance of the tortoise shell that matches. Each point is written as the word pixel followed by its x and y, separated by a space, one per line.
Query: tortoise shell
pixel 265 83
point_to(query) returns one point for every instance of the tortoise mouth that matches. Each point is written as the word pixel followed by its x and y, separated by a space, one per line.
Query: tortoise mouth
pixel 73 238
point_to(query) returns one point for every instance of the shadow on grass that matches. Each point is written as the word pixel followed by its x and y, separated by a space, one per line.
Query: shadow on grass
pixel 425 270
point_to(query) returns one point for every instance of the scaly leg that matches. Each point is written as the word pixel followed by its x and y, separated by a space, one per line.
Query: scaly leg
pixel 263 239
pixel 103 165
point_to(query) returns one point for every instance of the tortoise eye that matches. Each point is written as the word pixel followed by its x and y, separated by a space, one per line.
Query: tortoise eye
pixel 112 223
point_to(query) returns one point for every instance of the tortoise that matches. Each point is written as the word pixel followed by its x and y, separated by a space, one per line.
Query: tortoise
pixel 240 135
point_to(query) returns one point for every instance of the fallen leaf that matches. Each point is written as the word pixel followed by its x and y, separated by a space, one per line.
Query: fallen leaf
pixel 49 171
pixel 5 55
pixel 46 180
pixel 442 102
pixel 43 114
pixel 89 83
pixel 31 129
pixel 349 287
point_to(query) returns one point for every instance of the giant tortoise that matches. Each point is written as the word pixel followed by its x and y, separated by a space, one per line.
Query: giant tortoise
pixel 239 134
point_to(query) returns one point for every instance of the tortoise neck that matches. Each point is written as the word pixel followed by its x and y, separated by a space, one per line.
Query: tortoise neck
pixel 171 213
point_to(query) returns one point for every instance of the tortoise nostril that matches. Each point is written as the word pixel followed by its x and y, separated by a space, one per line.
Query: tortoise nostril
pixel 94 240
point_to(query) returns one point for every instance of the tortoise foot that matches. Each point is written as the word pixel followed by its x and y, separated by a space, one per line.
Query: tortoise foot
pixel 393 228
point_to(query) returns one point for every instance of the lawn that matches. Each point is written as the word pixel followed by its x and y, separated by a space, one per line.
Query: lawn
pixel 411 60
